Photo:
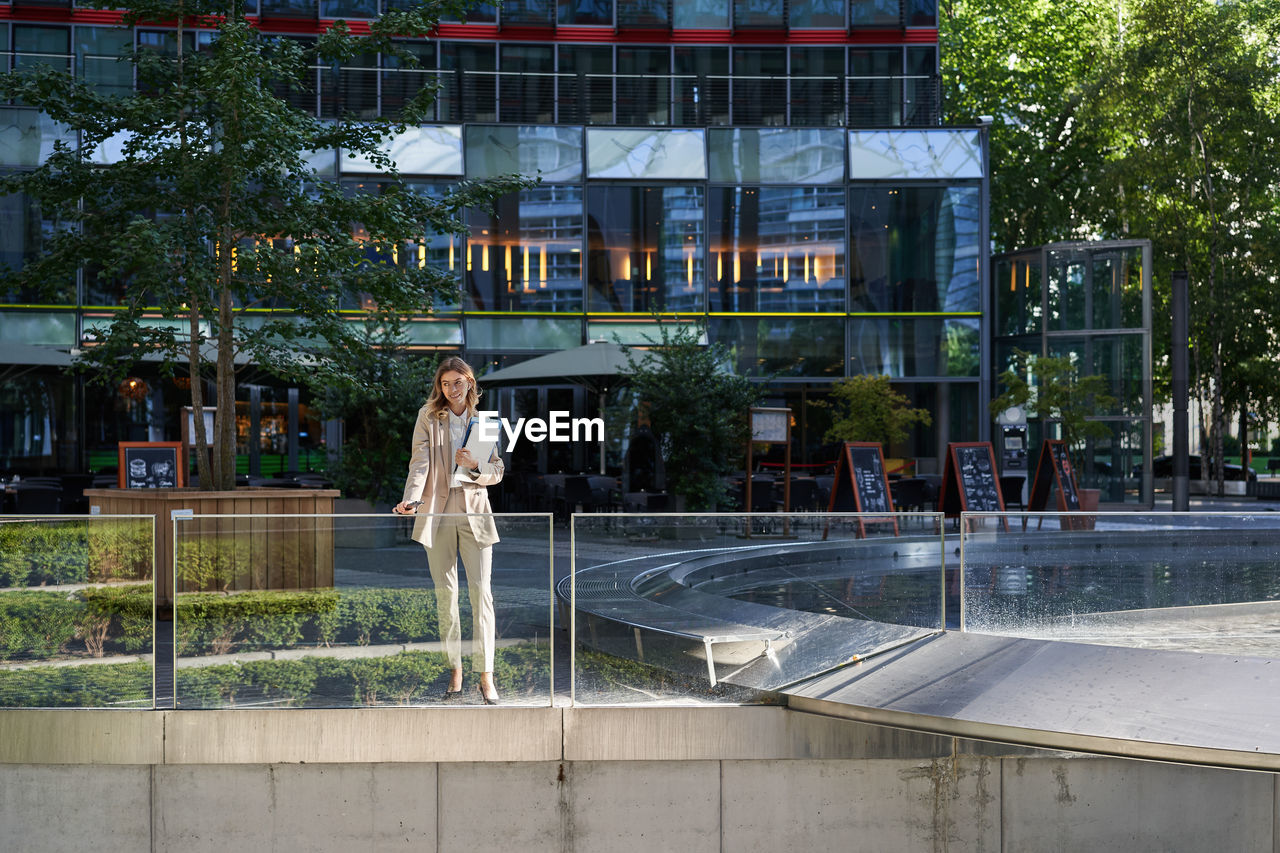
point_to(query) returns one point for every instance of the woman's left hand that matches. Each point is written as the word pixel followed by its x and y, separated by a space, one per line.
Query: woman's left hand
pixel 465 460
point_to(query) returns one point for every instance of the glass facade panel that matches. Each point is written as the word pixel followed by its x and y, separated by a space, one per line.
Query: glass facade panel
pixel 639 332
pixel 529 12
pixel 1068 274
pixel 818 14
pixel 904 347
pixel 1117 288
pixel 875 86
pixel 914 154
pixel 586 13
pixel 759 85
pixel 42 328
pixel 644 13
pixel 914 248
pixel 348 8
pixel 468 82
pixel 480 13
pixel 98 52
pixel 1018 294
pixel 554 153
pixel 523 333
pixel 777 249
pixel 526 88
pixel 527 254
pixel 289 8
pixel 920 89
pixel 763 14
pixel 33 46
pixel 776 155
pixel 433 333
pixel 701 86
pixel 817 86
pixel 922 13
pixel 701 14
pixel 657 154
pixel 27 136
pixel 644 85
pixel 874 13
pixel 584 86
pixel 428 150
pixel 402 80
pixel 783 346
pixel 645 248
pixel 23 232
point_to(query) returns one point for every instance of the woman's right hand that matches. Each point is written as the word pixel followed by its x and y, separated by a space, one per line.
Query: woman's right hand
pixel 405 508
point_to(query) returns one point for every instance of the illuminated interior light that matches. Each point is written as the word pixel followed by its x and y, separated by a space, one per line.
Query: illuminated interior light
pixel 470 250
pixel 525 270
pixel 542 267
pixel 806 267
pixel 484 258
pixel 786 269
pixel 648 266
pixel 737 266
pixel 506 262
pixel 690 268
pixel 719 266
pixel 817 269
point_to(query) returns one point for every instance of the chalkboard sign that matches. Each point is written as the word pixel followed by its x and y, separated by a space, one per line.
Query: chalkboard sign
pixel 969 482
pixel 150 465
pixel 1054 469
pixel 861 484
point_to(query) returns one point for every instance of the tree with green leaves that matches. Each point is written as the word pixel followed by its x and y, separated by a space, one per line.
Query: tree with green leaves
pixel 699 410
pixel 1053 389
pixel 225 242
pixel 868 409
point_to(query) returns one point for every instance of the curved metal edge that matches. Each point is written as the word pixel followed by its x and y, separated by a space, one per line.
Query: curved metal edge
pixel 1039 738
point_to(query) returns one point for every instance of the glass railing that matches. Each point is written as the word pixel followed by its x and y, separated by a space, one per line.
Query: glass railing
pixel 341 611
pixel 1202 582
pixel 731 608
pixel 77 612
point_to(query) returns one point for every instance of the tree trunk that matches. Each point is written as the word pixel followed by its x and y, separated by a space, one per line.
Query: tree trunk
pixel 224 465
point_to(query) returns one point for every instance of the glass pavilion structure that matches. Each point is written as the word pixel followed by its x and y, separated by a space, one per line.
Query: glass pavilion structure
pixel 775 172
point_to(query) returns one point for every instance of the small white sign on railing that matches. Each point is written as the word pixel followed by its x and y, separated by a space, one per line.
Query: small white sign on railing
pixel 175 514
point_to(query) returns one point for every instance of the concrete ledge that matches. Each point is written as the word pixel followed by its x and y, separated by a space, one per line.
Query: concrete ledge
pixel 367 735
pixel 29 736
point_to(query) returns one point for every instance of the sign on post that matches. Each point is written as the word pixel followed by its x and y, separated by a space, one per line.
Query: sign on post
pixel 150 465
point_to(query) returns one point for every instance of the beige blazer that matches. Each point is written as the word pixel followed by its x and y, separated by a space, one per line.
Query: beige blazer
pixel 430 477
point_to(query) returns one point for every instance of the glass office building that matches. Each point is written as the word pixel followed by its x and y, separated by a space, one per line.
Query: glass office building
pixel 775 172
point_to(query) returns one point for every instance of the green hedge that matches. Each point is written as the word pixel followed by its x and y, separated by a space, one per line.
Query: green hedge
pixel 213 623
pixel 96 686
pixel 36 553
pixel 37 625
pixel 403 678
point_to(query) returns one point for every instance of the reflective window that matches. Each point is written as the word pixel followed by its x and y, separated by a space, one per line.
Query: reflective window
pixel 922 13
pixel 350 88
pixel 874 13
pixel 760 85
pixel 468 82
pixel 403 79
pixel 526 255
pixel 776 155
pixel 348 8
pixel 289 8
pixel 766 14
pixel 479 13
pixel 920 97
pixel 645 248
pixel 660 154
pixel 523 333
pixel 98 52
pixel 914 346
pixel 913 248
pixel 23 233
pixel 1017 290
pixel 818 14
pixel 817 86
pixel 580 13
pixel 701 14
pixel 644 85
pixel 526 88
pixel 785 346
pixel 33 46
pixel 701 86
pixel 875 86
pixel 550 152
pixel 529 12
pixel 584 86
pixel 776 249
pixel 644 13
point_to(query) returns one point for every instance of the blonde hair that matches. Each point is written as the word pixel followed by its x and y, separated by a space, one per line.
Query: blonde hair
pixel 437 403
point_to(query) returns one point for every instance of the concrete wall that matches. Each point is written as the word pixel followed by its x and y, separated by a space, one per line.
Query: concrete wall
pixel 606 779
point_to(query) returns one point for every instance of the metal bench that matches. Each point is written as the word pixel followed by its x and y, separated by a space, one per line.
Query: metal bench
pixel 610 592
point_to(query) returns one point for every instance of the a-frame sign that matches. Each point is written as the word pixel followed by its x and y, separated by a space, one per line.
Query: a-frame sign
pixel 862 485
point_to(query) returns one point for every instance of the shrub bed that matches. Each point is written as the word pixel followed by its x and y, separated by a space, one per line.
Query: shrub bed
pixel 37 624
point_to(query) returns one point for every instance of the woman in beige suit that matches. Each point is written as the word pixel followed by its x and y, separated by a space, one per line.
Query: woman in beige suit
pixel 445 481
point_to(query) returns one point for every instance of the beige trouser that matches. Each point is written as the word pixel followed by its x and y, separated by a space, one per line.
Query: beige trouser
pixel 452 538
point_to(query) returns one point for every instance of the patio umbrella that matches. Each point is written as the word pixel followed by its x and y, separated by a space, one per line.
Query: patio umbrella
pixel 594 366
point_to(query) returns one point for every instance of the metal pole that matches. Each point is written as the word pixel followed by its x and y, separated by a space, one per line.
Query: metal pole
pixel 1178 362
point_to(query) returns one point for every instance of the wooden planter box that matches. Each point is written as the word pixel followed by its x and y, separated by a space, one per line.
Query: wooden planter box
pixel 227 554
